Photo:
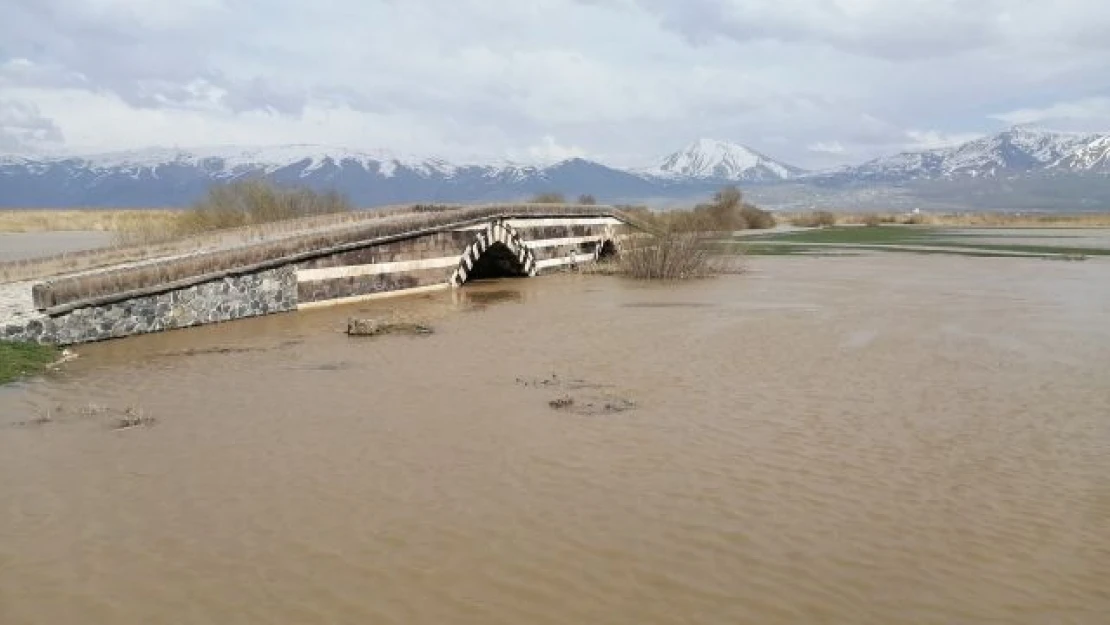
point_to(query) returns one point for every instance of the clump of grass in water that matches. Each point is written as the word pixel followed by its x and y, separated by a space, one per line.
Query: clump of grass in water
pixel 133 418
pixel 19 360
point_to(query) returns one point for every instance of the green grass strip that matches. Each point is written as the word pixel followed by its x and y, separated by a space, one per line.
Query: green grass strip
pixel 19 360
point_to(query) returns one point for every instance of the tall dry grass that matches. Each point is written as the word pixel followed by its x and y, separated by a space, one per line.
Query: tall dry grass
pixel 815 219
pixel 99 220
pixel 549 197
pixel 236 205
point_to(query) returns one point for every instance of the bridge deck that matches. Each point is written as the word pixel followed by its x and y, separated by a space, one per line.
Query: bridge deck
pixel 316 260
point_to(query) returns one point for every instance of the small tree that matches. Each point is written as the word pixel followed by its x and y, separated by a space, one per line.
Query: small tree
pixel 587 199
pixel 724 212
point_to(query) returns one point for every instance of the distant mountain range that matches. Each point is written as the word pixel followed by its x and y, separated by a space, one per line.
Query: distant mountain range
pixel 1013 153
pixel 1014 168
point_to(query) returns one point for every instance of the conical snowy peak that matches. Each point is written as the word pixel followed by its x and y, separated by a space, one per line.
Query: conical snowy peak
pixel 710 159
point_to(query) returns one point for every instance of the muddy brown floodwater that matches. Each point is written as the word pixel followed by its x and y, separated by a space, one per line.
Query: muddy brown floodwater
pixel 866 440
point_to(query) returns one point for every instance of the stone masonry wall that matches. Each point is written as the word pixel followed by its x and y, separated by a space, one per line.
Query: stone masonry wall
pixel 234 297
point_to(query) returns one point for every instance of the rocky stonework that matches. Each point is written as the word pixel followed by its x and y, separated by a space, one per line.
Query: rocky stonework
pixel 235 297
pixel 37 330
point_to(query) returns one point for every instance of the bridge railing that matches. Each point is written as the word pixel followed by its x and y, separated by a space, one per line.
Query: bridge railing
pixel 312 241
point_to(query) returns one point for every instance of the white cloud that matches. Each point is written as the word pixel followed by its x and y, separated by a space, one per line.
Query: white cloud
pixel 548 150
pixel 627 80
pixel 1086 112
pixel 822 147
pixel 931 139
pixel 23 127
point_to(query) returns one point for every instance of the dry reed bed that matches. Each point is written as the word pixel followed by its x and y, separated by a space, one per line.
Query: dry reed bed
pixel 306 238
pixel 92 219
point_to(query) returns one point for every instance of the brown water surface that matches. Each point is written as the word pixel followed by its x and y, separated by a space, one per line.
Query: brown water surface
pixel 823 440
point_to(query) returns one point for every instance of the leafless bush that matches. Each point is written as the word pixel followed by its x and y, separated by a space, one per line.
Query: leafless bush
pixel 872 219
pixel 549 197
pixel 236 205
pixel 816 219
pixel 756 218
pixel 727 212
pixel 587 200
pixel 256 202
pixel 668 256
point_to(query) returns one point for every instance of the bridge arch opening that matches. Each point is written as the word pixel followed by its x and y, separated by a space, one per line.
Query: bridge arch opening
pixel 606 250
pixel 498 261
pixel 496 252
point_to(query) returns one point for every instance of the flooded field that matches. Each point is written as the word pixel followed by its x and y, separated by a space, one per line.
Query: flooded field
pixel 868 440
pixel 1093 238
pixel 25 245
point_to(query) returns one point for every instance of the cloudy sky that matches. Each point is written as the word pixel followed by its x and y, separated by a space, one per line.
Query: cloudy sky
pixel 812 82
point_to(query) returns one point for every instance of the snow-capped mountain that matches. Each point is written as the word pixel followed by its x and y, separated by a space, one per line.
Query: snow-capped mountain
pixel 1093 156
pixel 1015 152
pixel 1023 164
pixel 710 159
pixel 173 177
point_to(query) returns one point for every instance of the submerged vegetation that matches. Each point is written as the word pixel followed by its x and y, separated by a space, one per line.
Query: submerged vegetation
pixel 19 360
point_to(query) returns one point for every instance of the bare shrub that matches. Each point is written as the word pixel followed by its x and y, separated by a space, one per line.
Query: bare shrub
pixel 235 205
pixel 816 219
pixel 587 200
pixel 727 212
pixel 668 256
pixel 96 219
pixel 872 220
pixel 255 202
pixel 548 197
pixel 723 213
pixel 756 218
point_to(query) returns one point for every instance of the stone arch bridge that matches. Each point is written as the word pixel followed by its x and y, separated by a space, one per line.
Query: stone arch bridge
pixel 320 262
